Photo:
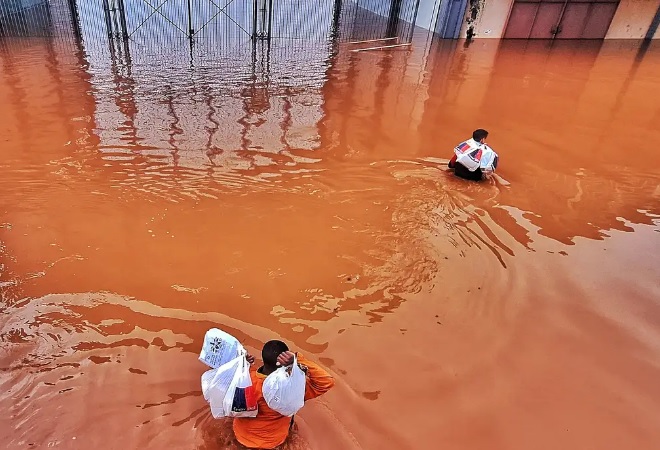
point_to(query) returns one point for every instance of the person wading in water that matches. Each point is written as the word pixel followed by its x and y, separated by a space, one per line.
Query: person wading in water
pixel 270 429
pixel 473 158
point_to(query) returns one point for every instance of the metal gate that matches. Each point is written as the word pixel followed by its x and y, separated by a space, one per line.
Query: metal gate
pixel 377 19
pixel 140 20
pixel 217 22
pixel 560 19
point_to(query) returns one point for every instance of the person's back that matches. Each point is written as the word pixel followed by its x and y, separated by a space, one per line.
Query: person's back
pixel 474 158
pixel 270 428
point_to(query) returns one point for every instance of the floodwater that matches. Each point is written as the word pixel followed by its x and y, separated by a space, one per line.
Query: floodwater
pixel 303 196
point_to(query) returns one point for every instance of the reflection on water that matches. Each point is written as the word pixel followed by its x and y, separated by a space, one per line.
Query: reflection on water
pixel 304 196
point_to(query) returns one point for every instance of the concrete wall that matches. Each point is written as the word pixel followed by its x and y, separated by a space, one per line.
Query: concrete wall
pixel 632 19
pixel 488 18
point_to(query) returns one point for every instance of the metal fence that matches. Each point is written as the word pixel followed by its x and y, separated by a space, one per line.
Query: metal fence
pixel 172 81
pixel 377 19
pixel 275 41
pixel 34 18
pixel 219 21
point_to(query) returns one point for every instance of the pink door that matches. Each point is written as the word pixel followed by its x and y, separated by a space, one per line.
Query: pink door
pixel 547 18
pixel 521 20
pixel 598 22
pixel 572 23
pixel 562 19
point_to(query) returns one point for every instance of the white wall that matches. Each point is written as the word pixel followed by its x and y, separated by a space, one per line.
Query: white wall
pixel 633 19
pixel 426 15
pixel 492 18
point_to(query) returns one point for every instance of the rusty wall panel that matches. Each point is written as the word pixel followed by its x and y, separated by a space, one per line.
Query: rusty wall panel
pixel 521 20
pixel 599 20
pixel 546 20
pixel 577 19
pixel 572 24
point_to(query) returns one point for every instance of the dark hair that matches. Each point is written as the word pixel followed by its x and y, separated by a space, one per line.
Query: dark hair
pixel 479 134
pixel 270 352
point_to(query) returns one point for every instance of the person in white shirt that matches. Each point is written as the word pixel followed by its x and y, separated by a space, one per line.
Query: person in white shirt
pixel 473 159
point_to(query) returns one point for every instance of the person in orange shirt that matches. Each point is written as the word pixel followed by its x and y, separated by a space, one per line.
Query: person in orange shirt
pixel 270 429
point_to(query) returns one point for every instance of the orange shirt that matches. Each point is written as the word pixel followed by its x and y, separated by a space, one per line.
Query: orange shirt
pixel 270 428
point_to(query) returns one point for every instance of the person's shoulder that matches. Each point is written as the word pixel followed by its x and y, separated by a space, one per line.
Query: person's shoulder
pixel 257 377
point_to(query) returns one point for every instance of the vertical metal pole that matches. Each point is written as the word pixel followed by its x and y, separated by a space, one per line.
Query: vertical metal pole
pixel 435 15
pixel 49 19
pixel 122 17
pixel 191 31
pixel 75 19
pixel 108 20
pixel 414 21
pixel 270 19
pixel 116 26
pixel 254 20
pixel 393 22
pixel 336 16
pixel 263 26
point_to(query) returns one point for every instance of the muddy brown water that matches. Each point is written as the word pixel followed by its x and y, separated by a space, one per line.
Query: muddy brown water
pixel 146 200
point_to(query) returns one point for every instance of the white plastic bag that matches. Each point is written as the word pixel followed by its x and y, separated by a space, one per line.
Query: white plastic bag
pixel 284 389
pixel 474 155
pixel 219 348
pixel 241 398
pixel 229 390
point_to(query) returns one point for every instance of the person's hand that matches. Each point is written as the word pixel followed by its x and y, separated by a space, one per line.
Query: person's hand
pixel 249 358
pixel 285 359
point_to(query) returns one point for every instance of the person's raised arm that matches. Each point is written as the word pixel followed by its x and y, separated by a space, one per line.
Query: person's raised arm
pixel 319 381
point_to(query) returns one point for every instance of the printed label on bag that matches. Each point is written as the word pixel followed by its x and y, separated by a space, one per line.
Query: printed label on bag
pixel 245 399
pixel 215 350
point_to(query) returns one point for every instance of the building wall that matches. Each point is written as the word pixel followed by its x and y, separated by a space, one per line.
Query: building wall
pixel 632 19
pixel 489 18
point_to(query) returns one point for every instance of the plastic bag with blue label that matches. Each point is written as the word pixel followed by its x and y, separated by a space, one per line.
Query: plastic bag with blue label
pixel 229 389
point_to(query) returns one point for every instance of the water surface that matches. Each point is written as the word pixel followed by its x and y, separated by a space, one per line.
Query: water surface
pixel 302 194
